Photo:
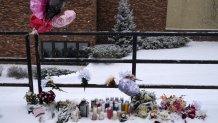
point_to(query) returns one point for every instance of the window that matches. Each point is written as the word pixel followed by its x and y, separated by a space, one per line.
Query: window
pixel 82 52
pixel 192 14
pixel 54 49
pixel 71 50
pixel 47 49
pixel 58 50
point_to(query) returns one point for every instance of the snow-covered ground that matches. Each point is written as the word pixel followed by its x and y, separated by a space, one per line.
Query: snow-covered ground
pixel 13 105
pixel 190 74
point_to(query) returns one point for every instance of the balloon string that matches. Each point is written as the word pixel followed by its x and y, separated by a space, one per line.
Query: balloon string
pixel 34 32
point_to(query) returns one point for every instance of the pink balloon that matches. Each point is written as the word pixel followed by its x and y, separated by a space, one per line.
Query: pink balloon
pixel 38 7
pixel 63 19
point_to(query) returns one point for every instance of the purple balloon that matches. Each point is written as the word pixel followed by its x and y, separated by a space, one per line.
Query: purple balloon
pixel 128 87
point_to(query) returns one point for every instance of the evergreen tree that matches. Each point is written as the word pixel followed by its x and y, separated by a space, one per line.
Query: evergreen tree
pixel 124 23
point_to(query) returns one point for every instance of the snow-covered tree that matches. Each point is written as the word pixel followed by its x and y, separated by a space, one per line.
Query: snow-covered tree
pixel 124 23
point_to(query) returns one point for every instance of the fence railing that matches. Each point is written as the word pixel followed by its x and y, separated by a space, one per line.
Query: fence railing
pixel 26 60
pixel 133 61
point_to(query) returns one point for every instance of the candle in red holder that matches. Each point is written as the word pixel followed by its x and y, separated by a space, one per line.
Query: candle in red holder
pixel 109 113
pixel 98 104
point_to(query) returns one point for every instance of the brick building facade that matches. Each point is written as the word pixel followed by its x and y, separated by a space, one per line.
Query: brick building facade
pixel 92 15
pixel 149 15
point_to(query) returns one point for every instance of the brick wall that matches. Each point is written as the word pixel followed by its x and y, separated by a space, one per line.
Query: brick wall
pixel 149 15
pixel 14 16
pixel 92 15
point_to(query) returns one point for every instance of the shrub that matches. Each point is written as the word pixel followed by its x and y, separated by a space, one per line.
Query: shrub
pixel 162 42
pixel 17 72
pixel 109 51
pixel 1 69
pixel 51 72
pixel 83 53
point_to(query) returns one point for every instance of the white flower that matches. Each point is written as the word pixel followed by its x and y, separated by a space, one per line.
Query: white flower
pixel 125 74
pixel 29 93
pixel 197 105
pixel 164 115
pixel 84 74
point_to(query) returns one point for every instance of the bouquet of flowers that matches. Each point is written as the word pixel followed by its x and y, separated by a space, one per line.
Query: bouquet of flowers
pixel 50 83
pixel 47 97
pixel 164 115
pixel 31 98
pixel 67 110
pixel 173 103
pixel 193 111
pixel 144 103
pixel 85 77
pixel 110 82
pixel 190 111
pixel 144 97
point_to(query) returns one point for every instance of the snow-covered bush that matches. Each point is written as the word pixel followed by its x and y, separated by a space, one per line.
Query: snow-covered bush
pixel 162 42
pixel 17 72
pixel 51 72
pixel 1 69
pixel 83 53
pixel 108 51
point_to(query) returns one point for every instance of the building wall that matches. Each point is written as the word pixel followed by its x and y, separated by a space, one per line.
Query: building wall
pixel 14 16
pixel 192 15
pixel 92 15
pixel 149 15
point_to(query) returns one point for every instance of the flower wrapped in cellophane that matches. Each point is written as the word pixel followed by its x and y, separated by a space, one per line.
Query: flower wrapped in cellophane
pixel 84 75
pixel 31 98
pixel 50 83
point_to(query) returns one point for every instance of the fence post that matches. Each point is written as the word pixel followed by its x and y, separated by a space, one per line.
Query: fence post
pixel 38 62
pixel 134 50
pixel 28 55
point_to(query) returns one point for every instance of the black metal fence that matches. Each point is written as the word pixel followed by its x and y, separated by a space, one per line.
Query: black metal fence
pixel 26 60
pixel 133 61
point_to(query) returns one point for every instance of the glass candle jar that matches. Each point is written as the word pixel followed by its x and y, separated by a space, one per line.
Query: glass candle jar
pixel 109 113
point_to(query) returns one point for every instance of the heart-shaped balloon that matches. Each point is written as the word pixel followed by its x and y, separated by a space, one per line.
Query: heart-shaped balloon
pixel 39 7
pixel 63 19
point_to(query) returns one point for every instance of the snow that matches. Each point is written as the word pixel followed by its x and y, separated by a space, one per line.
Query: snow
pixel 189 74
pixel 13 105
